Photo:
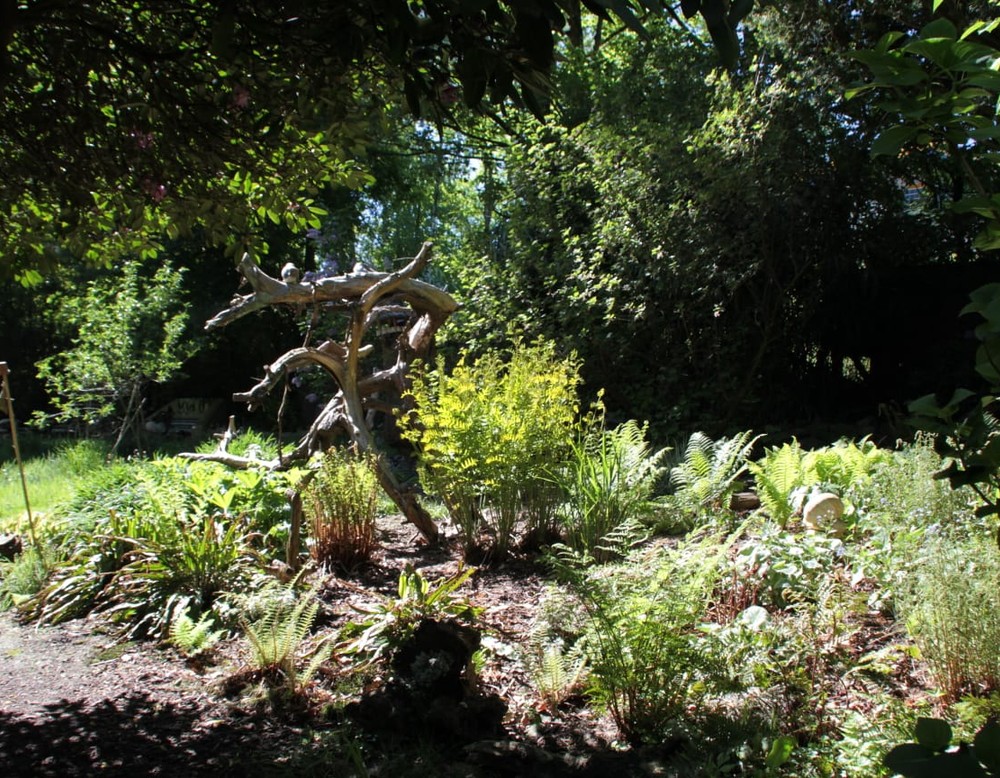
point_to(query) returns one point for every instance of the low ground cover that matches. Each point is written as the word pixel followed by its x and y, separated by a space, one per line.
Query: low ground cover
pixel 743 645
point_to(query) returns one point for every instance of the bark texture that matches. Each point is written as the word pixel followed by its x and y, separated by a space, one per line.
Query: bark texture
pixel 367 299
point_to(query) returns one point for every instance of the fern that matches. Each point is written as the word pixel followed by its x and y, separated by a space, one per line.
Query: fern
pixel 556 671
pixel 786 475
pixel 777 475
pixel 649 659
pixel 343 503
pixel 710 470
pixel 276 637
pixel 608 486
pixel 192 637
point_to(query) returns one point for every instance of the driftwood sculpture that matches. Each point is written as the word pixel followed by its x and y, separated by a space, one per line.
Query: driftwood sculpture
pixel 367 298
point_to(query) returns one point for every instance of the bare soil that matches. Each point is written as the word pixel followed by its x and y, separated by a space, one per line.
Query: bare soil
pixel 75 701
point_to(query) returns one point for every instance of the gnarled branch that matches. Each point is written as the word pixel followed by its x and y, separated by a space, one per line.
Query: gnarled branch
pixel 368 298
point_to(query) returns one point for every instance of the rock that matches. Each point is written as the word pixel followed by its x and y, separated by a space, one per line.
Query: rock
pixel 822 513
pixel 10 546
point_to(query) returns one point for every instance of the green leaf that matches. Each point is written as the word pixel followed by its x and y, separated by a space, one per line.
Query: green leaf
pixel 934 734
pixel 472 74
pixel 987 745
pixel 535 36
pixel 781 750
pixel 890 141
pixel 939 28
pixel 411 91
pixel 909 759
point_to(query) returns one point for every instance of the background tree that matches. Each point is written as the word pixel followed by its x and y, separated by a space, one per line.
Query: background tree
pixel 721 248
pixel 127 331
pixel 125 121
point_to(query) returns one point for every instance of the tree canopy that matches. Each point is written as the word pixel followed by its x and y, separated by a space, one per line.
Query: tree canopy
pixel 126 121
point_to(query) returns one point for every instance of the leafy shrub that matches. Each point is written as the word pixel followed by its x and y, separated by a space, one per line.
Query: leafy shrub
pixel 901 502
pixel 608 484
pixel 257 495
pixel 389 624
pixel 121 487
pixel 952 610
pixel 193 563
pixel 343 502
pixel 22 577
pixel 649 657
pixel 153 546
pixel 82 457
pixel 128 329
pixel 488 432
pixel 786 474
pixel 787 566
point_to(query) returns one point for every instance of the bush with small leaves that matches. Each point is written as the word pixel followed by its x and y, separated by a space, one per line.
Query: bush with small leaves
pixel 487 433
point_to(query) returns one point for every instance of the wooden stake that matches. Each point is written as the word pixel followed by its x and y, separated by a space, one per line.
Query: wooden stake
pixel 8 400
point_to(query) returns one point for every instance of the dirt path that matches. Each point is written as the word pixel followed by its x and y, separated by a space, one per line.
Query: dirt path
pixel 41 667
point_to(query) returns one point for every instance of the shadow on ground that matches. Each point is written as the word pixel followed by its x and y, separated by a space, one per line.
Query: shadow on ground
pixel 135 735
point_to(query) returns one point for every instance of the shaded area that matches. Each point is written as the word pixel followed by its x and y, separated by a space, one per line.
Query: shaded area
pixel 137 735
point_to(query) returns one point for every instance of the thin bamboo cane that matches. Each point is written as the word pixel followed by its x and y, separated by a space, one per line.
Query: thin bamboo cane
pixel 8 400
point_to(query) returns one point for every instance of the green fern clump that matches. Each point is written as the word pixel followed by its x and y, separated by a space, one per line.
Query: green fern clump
pixel 710 472
pixel 777 475
pixel 557 672
pixel 342 501
pixel 787 474
pixel 952 609
pixel 649 657
pixel 553 652
pixel 609 484
pixel 277 636
pixel 191 637
pixel 488 432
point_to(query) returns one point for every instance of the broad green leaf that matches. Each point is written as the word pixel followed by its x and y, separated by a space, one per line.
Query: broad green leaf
pixel 934 734
pixel 890 141
pixel 909 759
pixel 987 745
pixel 781 750
pixel 939 28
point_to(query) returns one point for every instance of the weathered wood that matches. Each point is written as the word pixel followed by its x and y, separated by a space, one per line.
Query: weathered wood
pixel 368 299
pixel 741 502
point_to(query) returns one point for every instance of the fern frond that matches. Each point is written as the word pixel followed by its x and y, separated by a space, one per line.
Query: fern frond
pixel 557 672
pixel 777 475
pixel 275 637
pixel 711 469
pixel 192 637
